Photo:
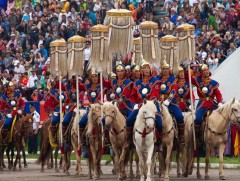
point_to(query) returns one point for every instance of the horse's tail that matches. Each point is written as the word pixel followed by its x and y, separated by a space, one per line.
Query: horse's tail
pixel 45 146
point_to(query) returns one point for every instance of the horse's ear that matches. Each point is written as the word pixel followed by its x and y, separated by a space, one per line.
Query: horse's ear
pixel 155 101
pixel 99 102
pixel 145 101
pixel 90 106
pixel 233 101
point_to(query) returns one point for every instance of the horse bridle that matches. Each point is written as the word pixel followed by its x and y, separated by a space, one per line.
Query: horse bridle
pixel 111 123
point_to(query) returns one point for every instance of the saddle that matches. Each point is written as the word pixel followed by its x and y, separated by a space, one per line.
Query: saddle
pixel 54 145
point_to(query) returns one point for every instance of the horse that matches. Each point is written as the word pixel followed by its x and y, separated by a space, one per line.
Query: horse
pixel 45 147
pixel 22 127
pixel 144 138
pixel 215 132
pixel 94 134
pixel 115 122
pixel 169 132
pixel 74 141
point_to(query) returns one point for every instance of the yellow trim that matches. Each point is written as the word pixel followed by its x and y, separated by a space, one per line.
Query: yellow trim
pixel 169 38
pixel 119 13
pixel 11 132
pixel 58 43
pixel 99 28
pixel 185 27
pixel 54 145
pixel 77 39
pixel 148 25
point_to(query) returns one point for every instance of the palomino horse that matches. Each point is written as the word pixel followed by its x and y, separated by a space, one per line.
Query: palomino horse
pixel 46 148
pixel 22 127
pixel 168 137
pixel 215 132
pixel 144 138
pixel 94 133
pixel 115 122
pixel 74 140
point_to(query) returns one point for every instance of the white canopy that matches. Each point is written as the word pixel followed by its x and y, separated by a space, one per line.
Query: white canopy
pixel 228 76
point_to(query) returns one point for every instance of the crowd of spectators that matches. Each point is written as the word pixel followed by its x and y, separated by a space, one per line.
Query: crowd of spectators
pixel 27 27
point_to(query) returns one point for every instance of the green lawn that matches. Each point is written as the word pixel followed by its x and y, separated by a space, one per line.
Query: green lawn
pixel 213 159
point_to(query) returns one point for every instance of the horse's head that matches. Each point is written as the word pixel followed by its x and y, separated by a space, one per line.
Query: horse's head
pixel 109 112
pixel 28 124
pixel 95 113
pixel 235 111
pixel 148 111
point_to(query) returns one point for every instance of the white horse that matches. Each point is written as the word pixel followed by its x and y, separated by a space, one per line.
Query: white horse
pixel 215 133
pixel 74 140
pixel 144 138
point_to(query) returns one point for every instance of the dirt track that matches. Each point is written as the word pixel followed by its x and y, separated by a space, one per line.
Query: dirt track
pixel 32 173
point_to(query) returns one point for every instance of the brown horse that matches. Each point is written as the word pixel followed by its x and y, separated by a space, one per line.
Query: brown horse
pixel 46 148
pixel 94 133
pixel 21 128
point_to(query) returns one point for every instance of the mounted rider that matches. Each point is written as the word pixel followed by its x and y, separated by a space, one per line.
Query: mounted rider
pixel 71 103
pixel 207 90
pixel 12 105
pixel 121 87
pixel 52 107
pixel 168 90
pixel 145 88
pixel 109 92
pixel 136 74
pixel 93 90
pixel 183 91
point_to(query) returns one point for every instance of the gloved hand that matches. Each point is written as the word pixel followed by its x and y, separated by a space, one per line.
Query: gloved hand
pixel 166 102
pixel 19 111
pixel 220 104
pixel 135 107
pixel 191 108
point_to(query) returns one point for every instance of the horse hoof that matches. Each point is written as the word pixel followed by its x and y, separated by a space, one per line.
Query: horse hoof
pixel 113 171
pixel 207 177
pixel 67 173
pixel 137 177
pixel 222 177
pixel 41 170
pixel 1 168
pixel 130 175
pixel 199 176
pixel 20 169
pixel 57 170
pixel 9 167
pixel 14 169
pixel 185 174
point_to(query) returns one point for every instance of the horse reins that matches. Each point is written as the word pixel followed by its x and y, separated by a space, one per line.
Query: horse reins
pixel 113 130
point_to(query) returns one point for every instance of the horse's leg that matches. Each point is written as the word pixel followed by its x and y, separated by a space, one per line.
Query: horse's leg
pixel 141 164
pixel 116 160
pixel 207 162
pixel 24 158
pixel 137 166
pixel 167 161
pixel 51 161
pixel 8 157
pixel 131 164
pixel 199 176
pixel 56 157
pixel 221 151
pixel 94 158
pixel 149 162
pixel 178 162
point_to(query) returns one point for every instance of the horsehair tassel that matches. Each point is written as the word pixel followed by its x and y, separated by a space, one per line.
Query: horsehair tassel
pixel 72 56
pixel 144 133
pixel 103 150
pixel 62 148
pixel 56 60
pixel 79 152
pixel 152 44
pixel 102 40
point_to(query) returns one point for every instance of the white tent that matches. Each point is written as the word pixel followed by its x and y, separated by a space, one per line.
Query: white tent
pixel 228 76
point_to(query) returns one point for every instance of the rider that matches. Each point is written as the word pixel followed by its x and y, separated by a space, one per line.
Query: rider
pixel 207 90
pixel 52 105
pixel 136 74
pixel 146 87
pixel 122 90
pixel 183 93
pixel 109 92
pixel 71 103
pixel 12 105
pixel 168 89
pixel 93 90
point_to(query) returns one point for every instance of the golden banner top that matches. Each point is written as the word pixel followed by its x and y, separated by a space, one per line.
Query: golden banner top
pixel 119 13
pixel 185 27
pixel 58 43
pixel 148 25
pixel 77 39
pixel 99 28
pixel 136 41
pixel 169 38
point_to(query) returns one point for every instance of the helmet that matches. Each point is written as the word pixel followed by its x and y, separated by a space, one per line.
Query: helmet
pixel 120 67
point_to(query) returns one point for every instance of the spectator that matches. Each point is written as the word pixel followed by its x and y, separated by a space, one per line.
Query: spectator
pixel 8 60
pixel 173 16
pixel 231 49
pixel 87 54
pixel 12 41
pixel 32 143
pixel 18 70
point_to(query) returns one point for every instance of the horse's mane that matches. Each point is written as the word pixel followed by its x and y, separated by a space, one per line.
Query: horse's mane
pixel 119 116
pixel 164 111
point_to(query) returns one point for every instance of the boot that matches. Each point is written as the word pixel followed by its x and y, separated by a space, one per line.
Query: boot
pixel 129 135
pixel 158 143
pixel 107 138
pixel 181 128
pixel 54 130
pixel 64 129
pixel 82 137
pixel 198 134
pixel 4 137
